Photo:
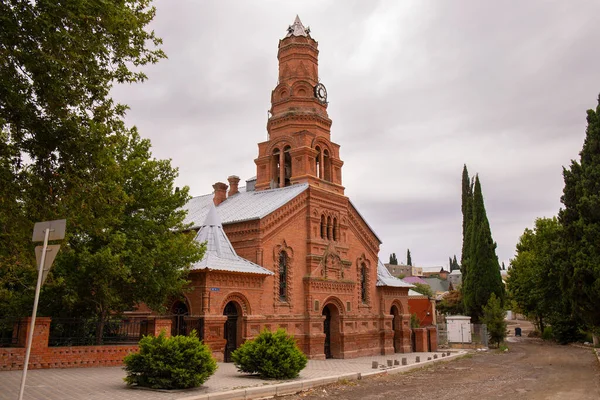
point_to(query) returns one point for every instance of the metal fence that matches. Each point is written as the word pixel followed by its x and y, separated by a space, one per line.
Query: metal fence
pixel 9 332
pixel 479 334
pixel 184 325
pixel 86 332
pixel 442 335
pixel 82 332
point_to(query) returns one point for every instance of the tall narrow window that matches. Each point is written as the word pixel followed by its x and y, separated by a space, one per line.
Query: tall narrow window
pixel 326 166
pixel 283 276
pixel 318 162
pixel 363 283
pixel 275 167
pixel 335 230
pixel 329 228
pixel 323 227
pixel 287 166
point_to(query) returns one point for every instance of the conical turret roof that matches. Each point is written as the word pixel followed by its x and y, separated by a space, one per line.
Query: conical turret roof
pixel 220 254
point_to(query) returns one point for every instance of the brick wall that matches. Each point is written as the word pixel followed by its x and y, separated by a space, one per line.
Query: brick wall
pixel 42 356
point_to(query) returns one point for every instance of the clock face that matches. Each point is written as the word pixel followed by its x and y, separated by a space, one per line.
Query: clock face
pixel 321 93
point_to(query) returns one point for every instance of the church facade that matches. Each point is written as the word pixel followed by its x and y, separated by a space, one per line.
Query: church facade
pixel 290 250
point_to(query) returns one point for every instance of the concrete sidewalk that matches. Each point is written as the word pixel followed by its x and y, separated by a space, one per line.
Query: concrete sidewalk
pixel 226 383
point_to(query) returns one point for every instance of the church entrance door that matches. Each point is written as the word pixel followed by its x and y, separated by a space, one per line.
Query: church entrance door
pixel 231 329
pixel 396 327
pixel 327 332
pixel 179 311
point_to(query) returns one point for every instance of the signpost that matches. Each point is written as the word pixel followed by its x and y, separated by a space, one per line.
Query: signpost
pixel 42 231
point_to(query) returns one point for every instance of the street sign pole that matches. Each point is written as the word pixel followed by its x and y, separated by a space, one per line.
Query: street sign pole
pixel 33 314
pixel 42 231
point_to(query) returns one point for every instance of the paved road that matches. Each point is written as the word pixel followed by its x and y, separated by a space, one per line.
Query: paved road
pixel 107 383
pixel 531 369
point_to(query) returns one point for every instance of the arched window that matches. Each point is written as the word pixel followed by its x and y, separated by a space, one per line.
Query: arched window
pixel 335 230
pixel 326 166
pixel 329 228
pixel 287 166
pixel 363 283
pixel 283 271
pixel 318 162
pixel 323 227
pixel 275 167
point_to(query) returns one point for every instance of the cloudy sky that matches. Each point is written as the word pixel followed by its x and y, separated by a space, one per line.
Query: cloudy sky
pixel 416 89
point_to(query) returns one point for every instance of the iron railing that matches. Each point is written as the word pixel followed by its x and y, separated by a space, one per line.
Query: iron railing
pixel 82 332
pixel 9 331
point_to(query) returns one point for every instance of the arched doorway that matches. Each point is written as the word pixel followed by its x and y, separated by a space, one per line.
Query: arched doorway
pixel 397 327
pixel 327 332
pixel 231 329
pixel 179 311
pixel 331 329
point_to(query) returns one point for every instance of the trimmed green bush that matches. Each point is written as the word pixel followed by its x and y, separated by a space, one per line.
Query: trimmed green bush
pixel 273 355
pixel 178 362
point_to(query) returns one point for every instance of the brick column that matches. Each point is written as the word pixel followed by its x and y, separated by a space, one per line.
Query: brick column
pixel 156 325
pixel 432 338
pixel 420 339
pixel 41 332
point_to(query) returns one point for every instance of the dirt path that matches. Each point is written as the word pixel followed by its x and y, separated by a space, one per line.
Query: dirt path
pixel 531 369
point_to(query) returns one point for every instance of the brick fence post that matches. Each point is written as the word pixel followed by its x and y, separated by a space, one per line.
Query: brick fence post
pixel 432 338
pixel 159 324
pixel 41 332
pixel 420 339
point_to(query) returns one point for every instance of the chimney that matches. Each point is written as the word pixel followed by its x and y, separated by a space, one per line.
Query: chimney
pixel 220 193
pixel 233 185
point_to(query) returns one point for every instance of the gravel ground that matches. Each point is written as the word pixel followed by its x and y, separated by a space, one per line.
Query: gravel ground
pixel 530 369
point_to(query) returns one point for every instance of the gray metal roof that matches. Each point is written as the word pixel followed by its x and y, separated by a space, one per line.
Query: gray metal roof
pixel 220 255
pixel 437 284
pixel 364 220
pixel 242 206
pixel 384 278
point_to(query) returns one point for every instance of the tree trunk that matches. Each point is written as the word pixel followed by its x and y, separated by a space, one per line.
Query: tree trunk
pixel 100 327
pixel 596 340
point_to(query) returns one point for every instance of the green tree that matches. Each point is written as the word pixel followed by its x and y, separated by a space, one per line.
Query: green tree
pixel 66 153
pixel 493 317
pixel 393 259
pixel 580 219
pixel 452 303
pixel 533 279
pixel 423 289
pixel 408 258
pixel 483 273
pixel 466 207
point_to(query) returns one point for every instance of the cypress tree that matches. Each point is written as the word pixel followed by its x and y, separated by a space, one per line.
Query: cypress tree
pixel 393 259
pixel 467 201
pixel 408 258
pixel 580 219
pixel 483 277
pixel 455 263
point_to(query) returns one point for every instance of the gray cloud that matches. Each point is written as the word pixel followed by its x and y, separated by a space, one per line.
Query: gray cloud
pixel 416 90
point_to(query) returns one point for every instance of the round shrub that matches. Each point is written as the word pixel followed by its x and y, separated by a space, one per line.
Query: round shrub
pixel 178 362
pixel 273 355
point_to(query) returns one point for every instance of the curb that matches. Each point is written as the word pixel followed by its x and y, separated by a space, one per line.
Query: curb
pixel 288 388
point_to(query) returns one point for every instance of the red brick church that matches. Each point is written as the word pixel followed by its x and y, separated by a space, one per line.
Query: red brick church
pixel 290 249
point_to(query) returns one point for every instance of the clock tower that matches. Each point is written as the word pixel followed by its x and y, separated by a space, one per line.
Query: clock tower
pixel 299 148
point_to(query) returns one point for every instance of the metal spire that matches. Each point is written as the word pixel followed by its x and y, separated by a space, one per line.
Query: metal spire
pixel 297 29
